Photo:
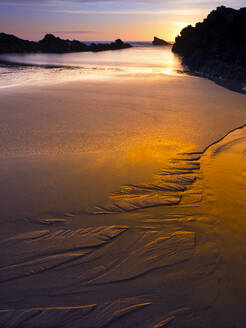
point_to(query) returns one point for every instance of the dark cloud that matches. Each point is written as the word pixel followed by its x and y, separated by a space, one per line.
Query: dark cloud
pixel 72 32
pixel 181 3
pixel 53 2
pixel 68 2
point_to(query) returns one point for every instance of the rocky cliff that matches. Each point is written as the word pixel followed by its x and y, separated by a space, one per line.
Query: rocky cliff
pixel 52 44
pixel 216 47
pixel 160 42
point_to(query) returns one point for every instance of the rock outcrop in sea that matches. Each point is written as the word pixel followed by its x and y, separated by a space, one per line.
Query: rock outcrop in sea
pixel 52 44
pixel 216 47
pixel 160 42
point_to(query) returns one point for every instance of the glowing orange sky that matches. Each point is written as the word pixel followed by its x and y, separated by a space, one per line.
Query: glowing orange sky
pixel 104 19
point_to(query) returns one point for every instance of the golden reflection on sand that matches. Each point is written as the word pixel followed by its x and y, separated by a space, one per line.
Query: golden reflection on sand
pixel 106 210
pixel 210 191
pixel 176 238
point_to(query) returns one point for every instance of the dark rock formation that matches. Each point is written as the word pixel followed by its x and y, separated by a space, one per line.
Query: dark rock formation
pixel 52 44
pixel 159 42
pixel 216 48
pixel 12 44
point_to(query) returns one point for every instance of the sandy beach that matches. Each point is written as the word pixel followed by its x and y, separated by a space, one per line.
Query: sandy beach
pixel 115 210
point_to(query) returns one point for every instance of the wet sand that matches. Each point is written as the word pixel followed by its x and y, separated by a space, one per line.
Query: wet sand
pixel 111 214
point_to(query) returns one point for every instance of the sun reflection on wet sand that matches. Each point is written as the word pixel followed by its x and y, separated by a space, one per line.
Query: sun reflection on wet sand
pixel 185 227
pixel 109 207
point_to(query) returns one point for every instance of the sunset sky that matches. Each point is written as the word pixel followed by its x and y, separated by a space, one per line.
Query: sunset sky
pixel 104 19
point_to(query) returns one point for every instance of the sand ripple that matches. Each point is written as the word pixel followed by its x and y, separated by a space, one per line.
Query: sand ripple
pixel 179 257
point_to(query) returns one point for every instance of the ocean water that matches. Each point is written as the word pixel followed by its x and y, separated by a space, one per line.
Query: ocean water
pixel 142 59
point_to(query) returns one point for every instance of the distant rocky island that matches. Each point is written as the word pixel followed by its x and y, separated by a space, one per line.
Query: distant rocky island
pixel 216 48
pixel 52 44
pixel 160 42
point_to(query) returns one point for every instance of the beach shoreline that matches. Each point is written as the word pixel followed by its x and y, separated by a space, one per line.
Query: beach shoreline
pixel 112 208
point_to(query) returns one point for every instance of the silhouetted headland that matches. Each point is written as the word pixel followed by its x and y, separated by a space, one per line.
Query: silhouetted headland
pixel 52 44
pixel 216 48
pixel 160 42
